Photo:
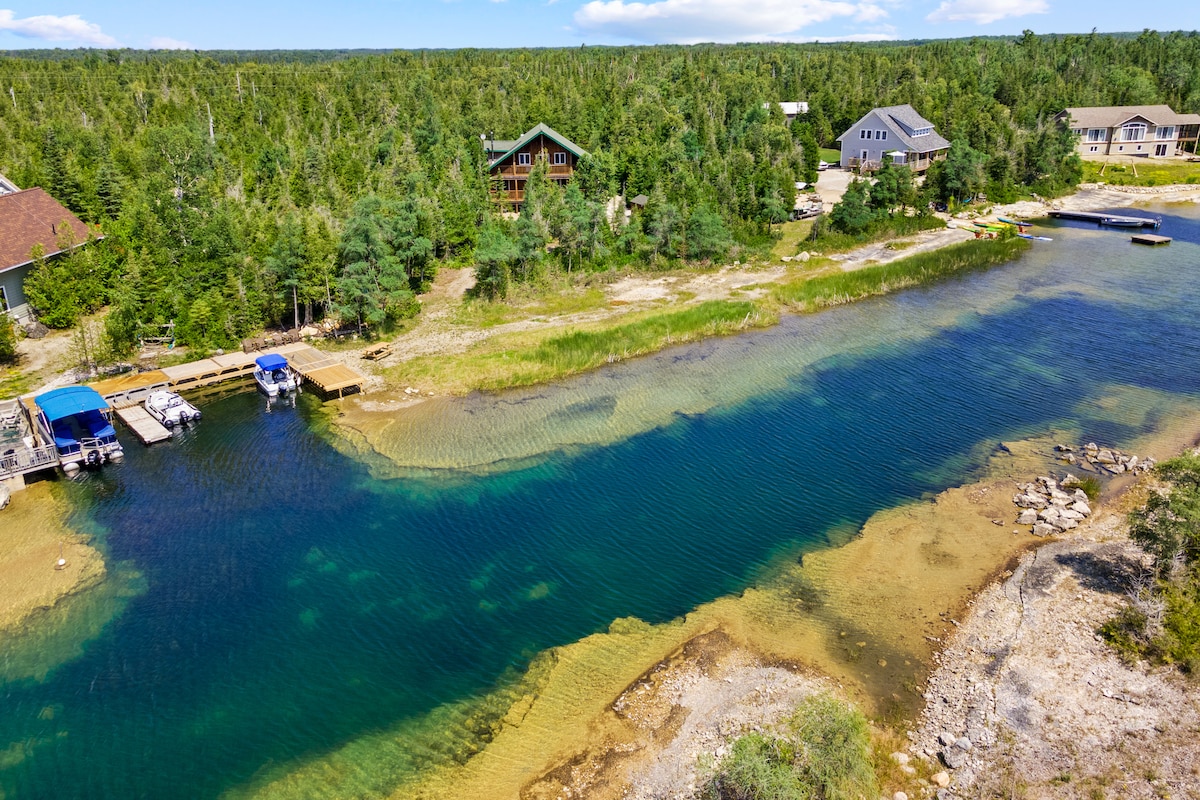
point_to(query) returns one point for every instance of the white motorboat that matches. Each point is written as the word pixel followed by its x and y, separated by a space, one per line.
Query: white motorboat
pixel 170 409
pixel 274 375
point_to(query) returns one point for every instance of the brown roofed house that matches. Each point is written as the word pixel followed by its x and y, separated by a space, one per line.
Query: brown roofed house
pixel 1146 131
pixel 27 218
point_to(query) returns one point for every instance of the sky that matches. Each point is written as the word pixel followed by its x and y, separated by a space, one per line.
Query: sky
pixel 405 24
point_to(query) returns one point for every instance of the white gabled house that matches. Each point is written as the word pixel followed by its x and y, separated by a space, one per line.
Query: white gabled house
pixel 896 134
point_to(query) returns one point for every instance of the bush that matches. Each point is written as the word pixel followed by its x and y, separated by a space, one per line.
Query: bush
pixel 823 753
pixel 8 339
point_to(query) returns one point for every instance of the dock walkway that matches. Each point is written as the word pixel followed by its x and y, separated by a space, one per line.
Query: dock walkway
pixel 314 366
pixel 144 426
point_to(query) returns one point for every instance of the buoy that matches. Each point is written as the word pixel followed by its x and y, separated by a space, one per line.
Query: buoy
pixel 62 562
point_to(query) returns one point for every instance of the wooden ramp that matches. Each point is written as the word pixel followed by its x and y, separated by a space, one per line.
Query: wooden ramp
pixel 144 426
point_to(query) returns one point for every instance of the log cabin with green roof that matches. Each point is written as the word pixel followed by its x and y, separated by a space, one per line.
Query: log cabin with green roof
pixel 510 161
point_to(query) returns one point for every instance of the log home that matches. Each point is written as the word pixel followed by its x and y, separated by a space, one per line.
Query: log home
pixel 510 162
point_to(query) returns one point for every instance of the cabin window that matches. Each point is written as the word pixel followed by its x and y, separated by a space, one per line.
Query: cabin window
pixel 1097 134
pixel 523 159
pixel 3 301
pixel 1133 132
pixel 922 131
pixel 1093 149
pixel 881 135
pixel 560 158
pixel 864 134
pixel 1165 132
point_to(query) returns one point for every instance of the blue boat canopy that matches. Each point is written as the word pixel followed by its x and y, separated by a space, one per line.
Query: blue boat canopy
pixel 69 401
pixel 271 362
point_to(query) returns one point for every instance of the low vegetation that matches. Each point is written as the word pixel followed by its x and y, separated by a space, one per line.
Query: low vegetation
pixel 1146 172
pixel 530 357
pixel 823 752
pixel 8 340
pixel 1162 621
pixel 922 268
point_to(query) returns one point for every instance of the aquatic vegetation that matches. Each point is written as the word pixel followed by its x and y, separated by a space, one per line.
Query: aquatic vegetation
pixel 830 290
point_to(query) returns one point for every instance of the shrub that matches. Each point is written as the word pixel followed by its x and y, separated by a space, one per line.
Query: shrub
pixel 8 339
pixel 822 753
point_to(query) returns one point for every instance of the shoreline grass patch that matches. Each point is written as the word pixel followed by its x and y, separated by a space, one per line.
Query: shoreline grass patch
pixel 524 359
pixel 917 270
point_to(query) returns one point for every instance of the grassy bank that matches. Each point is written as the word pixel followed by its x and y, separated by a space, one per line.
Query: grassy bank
pixel 1146 172
pixel 808 294
pixel 526 358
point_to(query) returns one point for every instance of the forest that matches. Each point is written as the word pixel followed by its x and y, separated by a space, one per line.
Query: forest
pixel 252 190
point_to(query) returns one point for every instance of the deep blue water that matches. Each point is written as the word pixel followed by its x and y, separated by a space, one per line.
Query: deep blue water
pixel 294 603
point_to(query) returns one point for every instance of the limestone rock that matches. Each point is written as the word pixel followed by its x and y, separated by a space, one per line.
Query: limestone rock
pixel 805 256
pixel 900 758
pixel 1042 529
pixel 953 757
pixel 946 738
pixel 1106 457
pixel 900 796
pixel 940 779
pixel 1081 496
pixel 1080 507
pixel 963 743
pixel 1027 517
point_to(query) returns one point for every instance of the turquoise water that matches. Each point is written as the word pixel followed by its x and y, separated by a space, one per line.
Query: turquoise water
pixel 292 602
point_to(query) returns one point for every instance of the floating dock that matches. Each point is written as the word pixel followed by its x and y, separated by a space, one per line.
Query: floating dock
pixel 1109 219
pixel 144 426
pixel 1150 238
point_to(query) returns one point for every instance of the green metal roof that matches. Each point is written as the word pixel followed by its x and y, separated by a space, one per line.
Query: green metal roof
pixel 542 130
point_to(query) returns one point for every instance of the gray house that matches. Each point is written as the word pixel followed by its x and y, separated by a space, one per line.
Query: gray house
pixel 28 218
pixel 895 133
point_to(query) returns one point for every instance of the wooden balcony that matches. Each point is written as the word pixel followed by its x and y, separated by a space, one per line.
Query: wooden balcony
pixel 521 172
pixel 511 197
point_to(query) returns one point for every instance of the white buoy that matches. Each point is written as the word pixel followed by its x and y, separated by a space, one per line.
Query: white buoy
pixel 62 562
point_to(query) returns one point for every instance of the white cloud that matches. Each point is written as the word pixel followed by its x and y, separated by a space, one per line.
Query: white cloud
pixel 167 43
pixel 72 28
pixel 983 12
pixel 691 21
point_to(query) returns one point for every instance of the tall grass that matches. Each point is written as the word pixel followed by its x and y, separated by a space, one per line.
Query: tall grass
pixel 916 270
pixel 525 359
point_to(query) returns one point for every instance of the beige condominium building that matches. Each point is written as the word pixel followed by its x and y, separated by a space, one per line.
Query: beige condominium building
pixel 1150 131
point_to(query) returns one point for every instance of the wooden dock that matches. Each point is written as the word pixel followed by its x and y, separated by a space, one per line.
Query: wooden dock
pixel 1150 238
pixel 144 426
pixel 1111 219
pixel 314 366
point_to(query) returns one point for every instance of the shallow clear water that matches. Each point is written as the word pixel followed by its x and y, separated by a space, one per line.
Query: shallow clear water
pixel 293 602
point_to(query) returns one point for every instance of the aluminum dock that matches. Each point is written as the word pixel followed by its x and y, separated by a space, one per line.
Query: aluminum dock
pixel 144 426
pixel 1116 220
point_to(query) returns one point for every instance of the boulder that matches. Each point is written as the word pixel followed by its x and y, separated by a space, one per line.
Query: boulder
pixel 900 796
pixel 1081 507
pixel 900 758
pixel 1042 529
pixel 1050 514
pixel 36 330
pixel 953 757
pixel 1080 496
pixel 1064 524
pixel 940 779
pixel 1092 448
pixel 1070 480
pixel 946 738
pixel 1070 513
pixel 1027 517
pixel 805 256
pixel 1106 457
pixel 1059 498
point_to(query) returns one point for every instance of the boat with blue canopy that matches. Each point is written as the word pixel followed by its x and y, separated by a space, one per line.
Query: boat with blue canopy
pixel 274 375
pixel 78 421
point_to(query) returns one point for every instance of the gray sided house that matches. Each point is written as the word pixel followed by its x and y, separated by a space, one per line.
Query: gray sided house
pixel 28 218
pixel 510 162
pixel 1145 131
pixel 896 134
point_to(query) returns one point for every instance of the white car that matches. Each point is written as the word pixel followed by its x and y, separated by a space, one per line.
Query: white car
pixel 170 409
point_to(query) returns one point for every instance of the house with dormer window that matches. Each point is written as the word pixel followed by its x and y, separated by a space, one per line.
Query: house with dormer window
pixel 510 161
pixel 1146 131
pixel 894 134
